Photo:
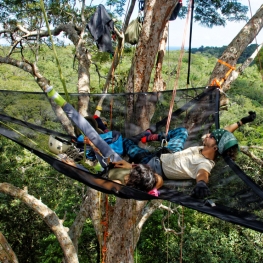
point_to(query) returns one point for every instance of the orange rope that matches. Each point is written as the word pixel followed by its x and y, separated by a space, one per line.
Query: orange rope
pixel 96 149
pixel 216 82
pixel 178 71
pixel 105 223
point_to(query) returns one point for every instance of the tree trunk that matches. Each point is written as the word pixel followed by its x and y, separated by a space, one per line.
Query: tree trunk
pixel 7 255
pixel 230 56
pixel 157 14
pixel 237 46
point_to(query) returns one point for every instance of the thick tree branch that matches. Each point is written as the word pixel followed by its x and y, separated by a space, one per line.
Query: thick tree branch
pixel 6 252
pixel 237 46
pixel 48 216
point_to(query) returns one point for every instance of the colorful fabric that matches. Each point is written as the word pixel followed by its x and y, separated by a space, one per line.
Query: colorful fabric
pixel 112 138
pixel 224 139
pixel 176 139
pixel 88 130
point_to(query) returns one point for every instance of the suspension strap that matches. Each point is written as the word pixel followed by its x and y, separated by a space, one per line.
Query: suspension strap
pixel 216 82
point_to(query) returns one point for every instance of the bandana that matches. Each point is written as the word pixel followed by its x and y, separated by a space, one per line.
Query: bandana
pixel 224 139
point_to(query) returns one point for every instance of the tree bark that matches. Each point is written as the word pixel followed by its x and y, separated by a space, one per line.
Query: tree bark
pixel 230 56
pixel 236 47
pixel 157 14
pixel 7 255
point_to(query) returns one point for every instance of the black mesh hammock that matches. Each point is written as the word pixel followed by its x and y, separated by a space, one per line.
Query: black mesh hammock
pixel 28 119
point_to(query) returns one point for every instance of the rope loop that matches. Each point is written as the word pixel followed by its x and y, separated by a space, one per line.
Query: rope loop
pixel 216 82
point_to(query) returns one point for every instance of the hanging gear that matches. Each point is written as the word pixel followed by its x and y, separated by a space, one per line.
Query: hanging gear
pixel 57 145
pixel 133 31
pixel 141 5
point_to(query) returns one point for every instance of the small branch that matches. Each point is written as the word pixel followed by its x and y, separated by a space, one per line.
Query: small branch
pixel 245 150
pixel 235 73
pixel 148 212
pixel 178 221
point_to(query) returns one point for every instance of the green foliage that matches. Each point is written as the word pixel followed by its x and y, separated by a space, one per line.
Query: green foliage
pixel 218 51
pixel 26 232
pixel 217 13
pixel 205 239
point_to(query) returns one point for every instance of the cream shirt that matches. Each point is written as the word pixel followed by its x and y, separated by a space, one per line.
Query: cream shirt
pixel 185 164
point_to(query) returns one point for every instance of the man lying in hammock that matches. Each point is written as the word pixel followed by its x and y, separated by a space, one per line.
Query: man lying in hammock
pixel 139 176
pixel 192 163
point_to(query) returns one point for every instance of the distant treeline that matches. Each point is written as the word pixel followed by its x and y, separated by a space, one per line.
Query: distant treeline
pixel 217 51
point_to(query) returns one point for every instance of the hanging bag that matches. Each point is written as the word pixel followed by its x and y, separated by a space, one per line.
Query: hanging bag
pixel 133 31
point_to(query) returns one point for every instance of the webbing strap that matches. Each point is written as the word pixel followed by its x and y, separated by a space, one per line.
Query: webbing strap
pixel 248 181
pixel 36 128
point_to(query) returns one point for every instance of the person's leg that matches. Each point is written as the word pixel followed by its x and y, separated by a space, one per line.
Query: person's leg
pixel 176 139
pixel 93 136
pixel 86 128
pixel 136 153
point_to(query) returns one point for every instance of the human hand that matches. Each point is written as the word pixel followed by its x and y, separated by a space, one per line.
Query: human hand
pixel 122 164
pixel 86 140
pixel 249 118
pixel 200 190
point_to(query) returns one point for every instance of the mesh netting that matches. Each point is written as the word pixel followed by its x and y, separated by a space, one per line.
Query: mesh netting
pixel 28 119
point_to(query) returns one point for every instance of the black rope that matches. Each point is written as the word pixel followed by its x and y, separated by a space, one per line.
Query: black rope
pixel 190 42
pixel 248 181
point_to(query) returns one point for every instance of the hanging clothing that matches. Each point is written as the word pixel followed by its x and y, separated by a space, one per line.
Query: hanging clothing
pixel 173 15
pixel 101 26
pixel 176 11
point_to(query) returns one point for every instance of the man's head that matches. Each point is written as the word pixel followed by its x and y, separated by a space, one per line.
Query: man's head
pixel 221 141
pixel 142 177
pixel 224 140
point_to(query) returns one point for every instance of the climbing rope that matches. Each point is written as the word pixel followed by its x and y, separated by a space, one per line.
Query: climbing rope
pixel 178 70
pixel 105 223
